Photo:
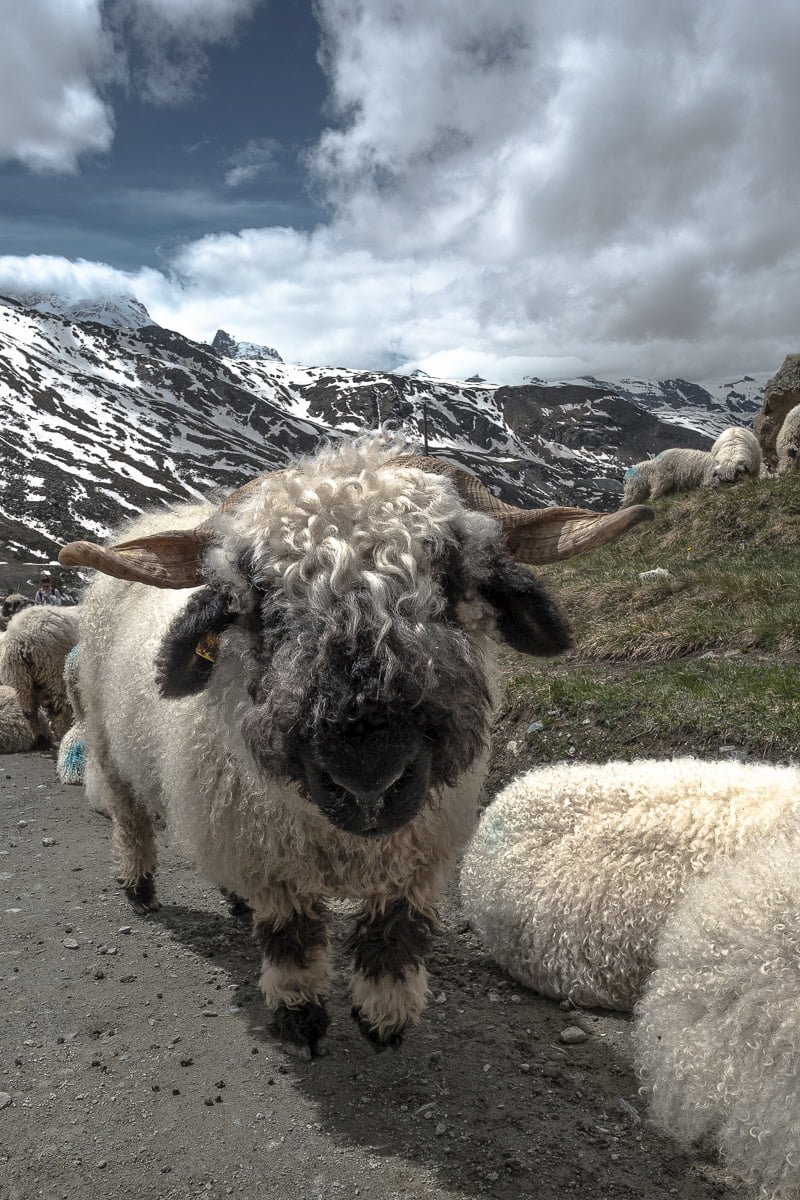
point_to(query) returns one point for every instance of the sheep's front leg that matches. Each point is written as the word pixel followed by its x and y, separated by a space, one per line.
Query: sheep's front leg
pixel 295 971
pixel 390 984
pixel 133 833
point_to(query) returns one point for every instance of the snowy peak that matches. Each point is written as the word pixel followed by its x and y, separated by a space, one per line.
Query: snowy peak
pixel 227 347
pixel 118 312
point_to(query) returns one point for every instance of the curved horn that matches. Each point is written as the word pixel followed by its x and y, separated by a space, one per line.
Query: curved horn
pixel 172 559
pixel 537 535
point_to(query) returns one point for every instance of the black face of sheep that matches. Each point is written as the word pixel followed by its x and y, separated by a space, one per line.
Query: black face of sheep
pixel 366 720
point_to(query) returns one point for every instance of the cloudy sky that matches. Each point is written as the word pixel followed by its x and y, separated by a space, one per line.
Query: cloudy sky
pixel 509 187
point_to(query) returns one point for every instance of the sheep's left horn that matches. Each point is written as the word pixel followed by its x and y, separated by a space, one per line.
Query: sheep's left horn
pixel 537 535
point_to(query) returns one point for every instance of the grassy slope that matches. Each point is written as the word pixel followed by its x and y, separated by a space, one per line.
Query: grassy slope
pixel 702 659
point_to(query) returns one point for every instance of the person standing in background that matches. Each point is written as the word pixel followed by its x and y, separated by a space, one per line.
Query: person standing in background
pixel 46 593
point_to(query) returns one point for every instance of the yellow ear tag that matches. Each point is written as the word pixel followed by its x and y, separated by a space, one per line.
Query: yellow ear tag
pixel 207 647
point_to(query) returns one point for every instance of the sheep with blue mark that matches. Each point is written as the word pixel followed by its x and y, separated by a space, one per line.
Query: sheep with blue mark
pixel 574 868
pixel 315 713
pixel 733 456
pixel 71 763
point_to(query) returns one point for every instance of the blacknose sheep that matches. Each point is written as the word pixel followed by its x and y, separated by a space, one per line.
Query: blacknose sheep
pixel 11 605
pixel 35 646
pixel 574 868
pixel 315 715
pixel 717 1032
pixel 787 444
pixel 735 454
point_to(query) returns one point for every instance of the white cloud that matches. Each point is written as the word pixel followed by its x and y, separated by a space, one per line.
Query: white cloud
pixel 525 186
pixel 252 160
pixel 58 59
pixel 50 109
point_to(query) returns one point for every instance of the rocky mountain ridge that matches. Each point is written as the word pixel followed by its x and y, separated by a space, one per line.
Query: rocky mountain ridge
pixel 101 421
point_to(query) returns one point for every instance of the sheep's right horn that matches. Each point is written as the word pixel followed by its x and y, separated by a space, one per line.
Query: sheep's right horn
pixel 537 535
pixel 172 559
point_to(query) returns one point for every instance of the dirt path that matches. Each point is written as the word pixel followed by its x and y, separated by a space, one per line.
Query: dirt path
pixel 138 1062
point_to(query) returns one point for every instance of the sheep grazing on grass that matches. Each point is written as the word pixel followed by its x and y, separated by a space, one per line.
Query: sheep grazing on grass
pixel 717 1032
pixel 574 868
pixel 315 715
pixel 787 444
pixel 36 644
pixel 735 454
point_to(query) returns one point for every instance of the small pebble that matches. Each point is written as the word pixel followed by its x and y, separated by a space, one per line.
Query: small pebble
pixel 5 1099
pixel 70 944
pixel 573 1035
pixel 525 1068
pixel 48 841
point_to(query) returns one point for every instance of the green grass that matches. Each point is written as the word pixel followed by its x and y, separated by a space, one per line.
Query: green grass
pixel 674 707
pixel 733 557
pixel 706 658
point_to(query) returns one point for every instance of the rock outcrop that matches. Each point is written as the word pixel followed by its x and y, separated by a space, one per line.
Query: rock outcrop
pixel 780 395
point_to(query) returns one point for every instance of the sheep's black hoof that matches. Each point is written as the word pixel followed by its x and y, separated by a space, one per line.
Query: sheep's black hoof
pixel 392 1040
pixel 237 905
pixel 142 895
pixel 301 1029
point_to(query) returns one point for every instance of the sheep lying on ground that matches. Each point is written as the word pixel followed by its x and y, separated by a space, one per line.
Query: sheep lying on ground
pixel 574 867
pixel 734 454
pixel 717 1032
pixel 36 644
pixel 315 715
pixel 787 444
pixel 16 734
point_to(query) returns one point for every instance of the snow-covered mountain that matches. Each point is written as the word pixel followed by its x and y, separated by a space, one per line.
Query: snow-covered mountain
pixel 99 422
pixel 120 312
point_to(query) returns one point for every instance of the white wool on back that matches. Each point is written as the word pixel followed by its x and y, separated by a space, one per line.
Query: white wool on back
pixel 736 452
pixel 787 444
pixel 717 1032
pixel 574 868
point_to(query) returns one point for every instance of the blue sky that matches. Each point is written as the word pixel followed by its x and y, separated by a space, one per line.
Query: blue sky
pixel 514 187
pixel 162 180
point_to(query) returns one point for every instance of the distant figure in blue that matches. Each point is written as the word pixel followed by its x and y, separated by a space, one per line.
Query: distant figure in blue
pixel 46 593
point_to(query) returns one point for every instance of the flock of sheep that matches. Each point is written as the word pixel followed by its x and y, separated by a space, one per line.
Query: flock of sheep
pixel 313 722
pixel 734 455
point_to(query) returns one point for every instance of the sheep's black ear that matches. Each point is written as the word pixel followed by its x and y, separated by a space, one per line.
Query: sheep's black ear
pixel 185 658
pixel 527 619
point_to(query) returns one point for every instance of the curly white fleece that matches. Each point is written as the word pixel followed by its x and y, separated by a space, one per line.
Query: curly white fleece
pixel 717 1032
pixel 574 868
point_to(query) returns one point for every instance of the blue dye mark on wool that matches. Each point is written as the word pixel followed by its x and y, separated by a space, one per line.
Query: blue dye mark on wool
pixel 631 473
pixel 73 764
